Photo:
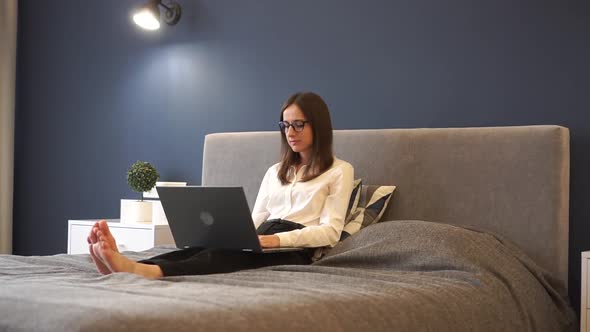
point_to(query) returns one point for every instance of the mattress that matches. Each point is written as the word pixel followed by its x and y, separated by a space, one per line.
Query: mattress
pixel 404 275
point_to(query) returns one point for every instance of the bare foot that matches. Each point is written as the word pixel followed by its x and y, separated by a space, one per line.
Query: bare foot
pixel 119 263
pixel 93 240
pixel 108 237
pixel 100 265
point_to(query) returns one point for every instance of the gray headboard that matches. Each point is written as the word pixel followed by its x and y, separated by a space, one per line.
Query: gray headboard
pixel 513 181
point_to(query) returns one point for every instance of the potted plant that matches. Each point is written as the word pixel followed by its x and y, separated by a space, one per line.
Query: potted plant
pixel 141 176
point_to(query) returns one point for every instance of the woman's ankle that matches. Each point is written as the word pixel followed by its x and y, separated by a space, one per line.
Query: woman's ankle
pixel 148 270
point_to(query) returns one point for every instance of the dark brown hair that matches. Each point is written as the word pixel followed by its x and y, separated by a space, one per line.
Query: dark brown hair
pixel 316 112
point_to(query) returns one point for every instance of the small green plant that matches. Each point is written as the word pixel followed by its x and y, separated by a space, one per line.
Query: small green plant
pixel 142 176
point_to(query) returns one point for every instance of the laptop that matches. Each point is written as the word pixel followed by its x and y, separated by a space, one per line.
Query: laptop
pixel 211 217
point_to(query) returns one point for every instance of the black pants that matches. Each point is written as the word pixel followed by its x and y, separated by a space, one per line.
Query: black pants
pixel 195 261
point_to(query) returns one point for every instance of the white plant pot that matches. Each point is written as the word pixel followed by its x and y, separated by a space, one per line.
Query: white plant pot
pixel 134 211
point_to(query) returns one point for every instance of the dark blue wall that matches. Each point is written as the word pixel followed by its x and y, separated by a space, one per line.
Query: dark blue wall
pixel 95 93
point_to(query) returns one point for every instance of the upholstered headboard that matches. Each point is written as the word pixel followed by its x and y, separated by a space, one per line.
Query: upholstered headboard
pixel 513 181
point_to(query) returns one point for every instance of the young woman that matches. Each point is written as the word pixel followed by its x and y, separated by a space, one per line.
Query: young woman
pixel 302 202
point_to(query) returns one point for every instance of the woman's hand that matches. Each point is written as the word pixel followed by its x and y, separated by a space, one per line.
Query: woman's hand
pixel 269 241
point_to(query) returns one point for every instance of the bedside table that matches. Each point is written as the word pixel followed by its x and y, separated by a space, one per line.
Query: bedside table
pixel 585 294
pixel 130 237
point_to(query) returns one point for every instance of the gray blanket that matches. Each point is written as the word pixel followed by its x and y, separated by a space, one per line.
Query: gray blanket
pixel 392 276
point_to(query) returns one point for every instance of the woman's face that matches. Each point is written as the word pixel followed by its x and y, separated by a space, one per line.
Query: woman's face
pixel 302 141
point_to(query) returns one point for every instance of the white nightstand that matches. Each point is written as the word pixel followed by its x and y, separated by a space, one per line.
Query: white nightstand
pixel 585 294
pixel 132 237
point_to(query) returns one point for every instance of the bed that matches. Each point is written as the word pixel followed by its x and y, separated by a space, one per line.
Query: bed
pixel 475 238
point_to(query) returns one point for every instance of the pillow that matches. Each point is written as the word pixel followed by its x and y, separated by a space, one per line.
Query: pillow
pixel 371 206
pixel 354 199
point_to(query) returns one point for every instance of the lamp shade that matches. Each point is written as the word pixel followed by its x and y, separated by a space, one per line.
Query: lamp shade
pixel 148 17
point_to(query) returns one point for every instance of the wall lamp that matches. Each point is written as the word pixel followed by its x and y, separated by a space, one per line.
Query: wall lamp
pixel 148 16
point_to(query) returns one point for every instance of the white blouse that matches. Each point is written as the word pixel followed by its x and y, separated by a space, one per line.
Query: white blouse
pixel 319 204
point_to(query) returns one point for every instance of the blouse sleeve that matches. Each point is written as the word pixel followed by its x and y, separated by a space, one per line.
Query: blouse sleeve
pixel 331 223
pixel 260 214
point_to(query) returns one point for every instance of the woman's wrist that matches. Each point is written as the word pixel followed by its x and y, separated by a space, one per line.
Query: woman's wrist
pixel 269 241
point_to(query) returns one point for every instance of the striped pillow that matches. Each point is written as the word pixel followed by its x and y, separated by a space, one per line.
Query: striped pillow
pixel 371 207
pixel 354 199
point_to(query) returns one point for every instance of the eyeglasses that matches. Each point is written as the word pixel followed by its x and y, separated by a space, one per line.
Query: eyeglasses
pixel 298 125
